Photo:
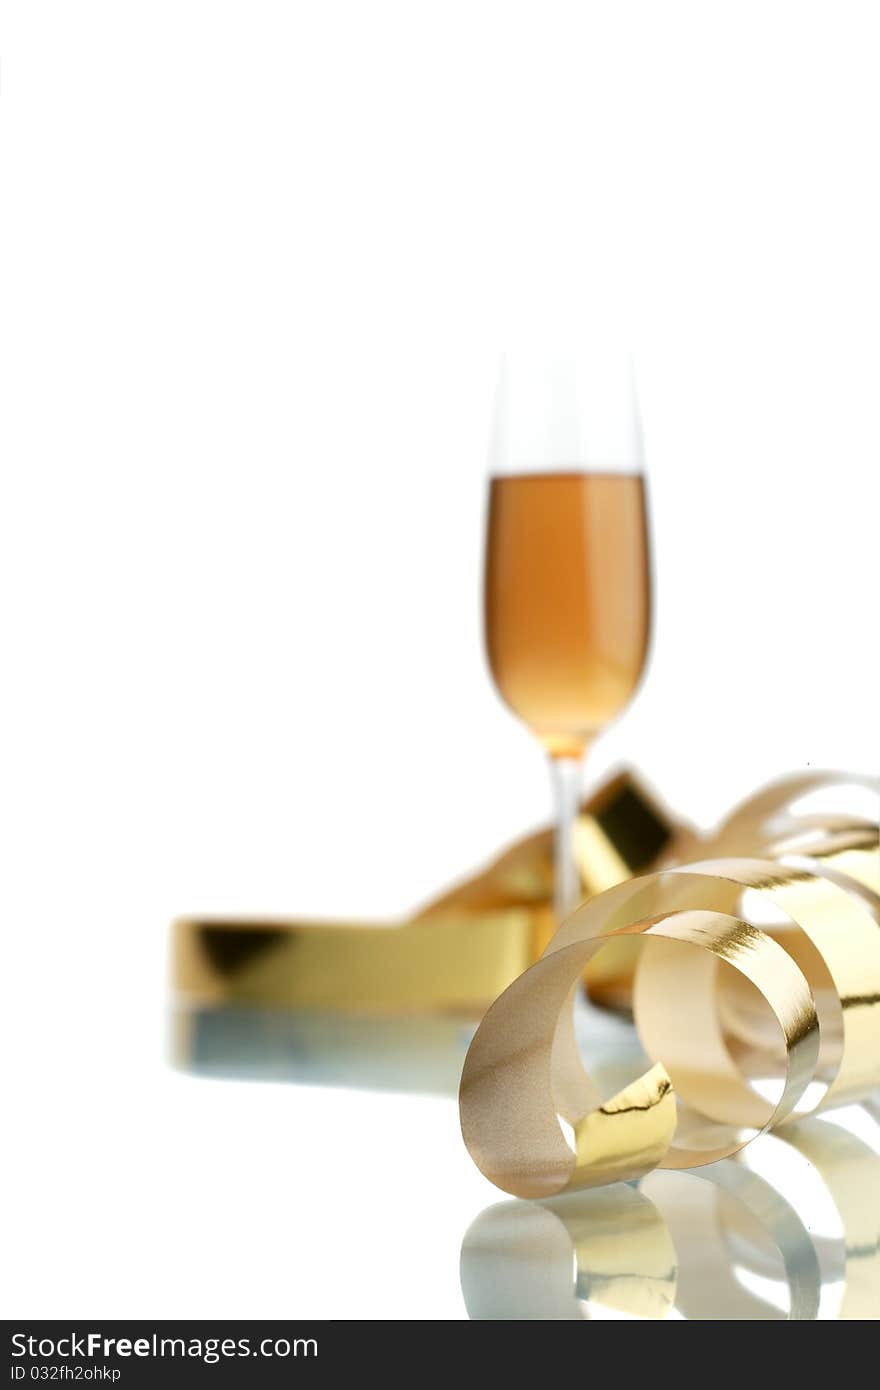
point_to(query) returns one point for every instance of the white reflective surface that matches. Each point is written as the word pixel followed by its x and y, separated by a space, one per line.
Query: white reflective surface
pixel 788 1230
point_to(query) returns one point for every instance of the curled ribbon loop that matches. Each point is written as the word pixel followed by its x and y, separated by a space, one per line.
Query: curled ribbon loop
pixel 756 997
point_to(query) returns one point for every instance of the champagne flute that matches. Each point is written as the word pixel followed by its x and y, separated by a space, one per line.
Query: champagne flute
pixel 567 579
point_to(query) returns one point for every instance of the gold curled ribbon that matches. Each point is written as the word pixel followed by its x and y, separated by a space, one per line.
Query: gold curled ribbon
pixel 771 816
pixel 835 841
pixel 698 928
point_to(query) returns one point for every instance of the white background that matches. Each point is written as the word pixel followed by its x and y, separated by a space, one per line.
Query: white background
pixel 257 261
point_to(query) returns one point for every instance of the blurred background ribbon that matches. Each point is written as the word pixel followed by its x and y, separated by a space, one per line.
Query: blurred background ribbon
pixel 453 957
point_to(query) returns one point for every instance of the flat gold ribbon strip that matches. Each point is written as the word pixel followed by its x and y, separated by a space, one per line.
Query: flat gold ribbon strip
pixel 697 928
pixel 453 957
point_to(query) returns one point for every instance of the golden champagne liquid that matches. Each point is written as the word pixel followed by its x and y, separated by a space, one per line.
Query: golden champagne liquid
pixel 567 599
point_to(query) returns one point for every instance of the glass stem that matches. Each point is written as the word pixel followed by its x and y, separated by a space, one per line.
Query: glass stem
pixel 566 774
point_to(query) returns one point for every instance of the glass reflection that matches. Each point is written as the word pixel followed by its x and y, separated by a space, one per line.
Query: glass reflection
pixel 719 1243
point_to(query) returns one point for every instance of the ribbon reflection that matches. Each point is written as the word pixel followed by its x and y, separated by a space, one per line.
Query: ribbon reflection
pixel 409 1055
pixel 717 1243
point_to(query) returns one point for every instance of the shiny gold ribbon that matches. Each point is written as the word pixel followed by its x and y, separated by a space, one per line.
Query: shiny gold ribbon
pixel 453 957
pixel 701 935
pixel 771 824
